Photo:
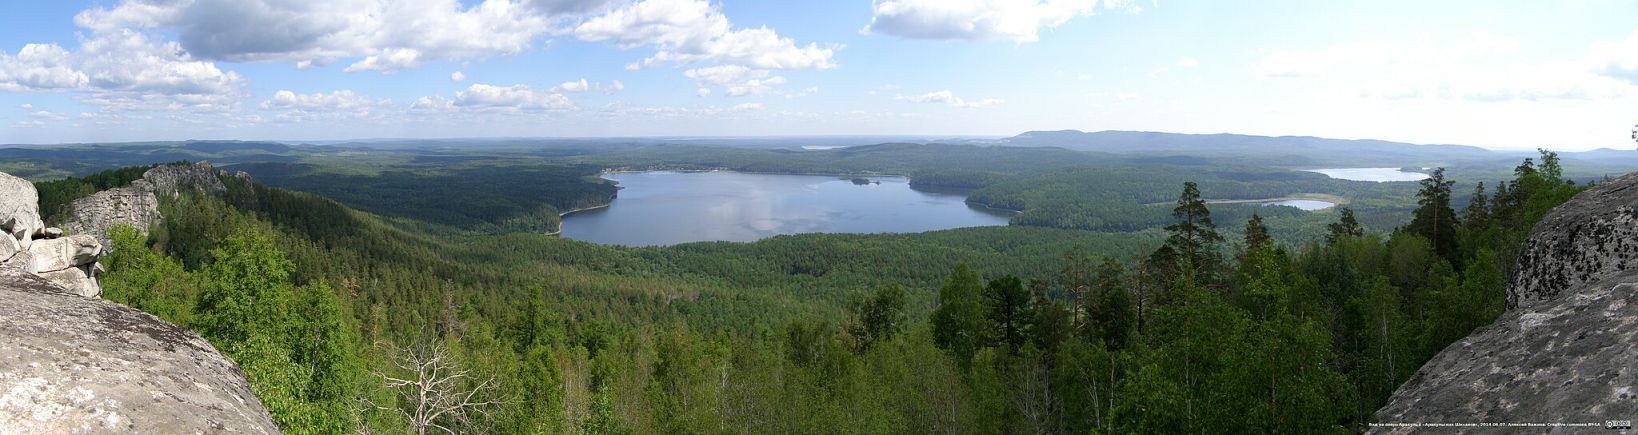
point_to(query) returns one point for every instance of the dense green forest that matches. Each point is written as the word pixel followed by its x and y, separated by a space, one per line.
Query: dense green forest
pixel 498 187
pixel 1213 323
pixel 450 192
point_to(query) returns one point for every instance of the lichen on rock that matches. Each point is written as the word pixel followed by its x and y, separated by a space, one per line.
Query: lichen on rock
pixel 73 363
pixel 1566 350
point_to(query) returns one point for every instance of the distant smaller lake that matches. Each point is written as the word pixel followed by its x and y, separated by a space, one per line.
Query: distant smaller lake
pixel 821 147
pixel 1305 204
pixel 1379 175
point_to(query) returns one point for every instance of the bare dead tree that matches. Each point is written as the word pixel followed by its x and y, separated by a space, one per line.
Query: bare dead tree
pixel 1037 405
pixel 433 388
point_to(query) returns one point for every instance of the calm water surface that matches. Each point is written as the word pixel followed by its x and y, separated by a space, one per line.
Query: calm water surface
pixel 1305 204
pixel 1371 174
pixel 665 208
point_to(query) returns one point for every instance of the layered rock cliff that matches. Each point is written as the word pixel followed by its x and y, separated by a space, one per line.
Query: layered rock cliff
pixel 73 363
pixel 137 205
pixel 1566 351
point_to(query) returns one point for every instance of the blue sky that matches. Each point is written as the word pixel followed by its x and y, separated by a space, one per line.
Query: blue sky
pixel 1501 74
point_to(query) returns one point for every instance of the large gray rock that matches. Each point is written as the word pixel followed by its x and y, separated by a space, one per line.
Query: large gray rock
pixel 69 262
pixel 77 280
pixel 1566 351
pixel 80 365
pixel 63 253
pixel 170 180
pixel 8 247
pixel 137 205
pixel 19 210
pixel 133 205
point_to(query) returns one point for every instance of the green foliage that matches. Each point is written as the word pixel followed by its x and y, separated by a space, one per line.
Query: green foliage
pixel 958 323
pixel 459 197
pixel 1007 309
pixel 248 291
pixel 1111 316
pixel 145 279
pixel 1345 226
pixel 297 344
pixel 563 336
pixel 57 195
pixel 1194 237
pixel 877 318
pixel 1256 234
pixel 1434 219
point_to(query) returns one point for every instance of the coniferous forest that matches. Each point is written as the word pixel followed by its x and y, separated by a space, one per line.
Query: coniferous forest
pixel 612 217
pixel 345 321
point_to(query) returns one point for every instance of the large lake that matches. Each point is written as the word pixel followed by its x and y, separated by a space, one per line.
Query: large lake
pixel 1380 175
pixel 665 208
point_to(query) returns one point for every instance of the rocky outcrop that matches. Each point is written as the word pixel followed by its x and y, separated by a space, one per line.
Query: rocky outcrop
pixel 171 180
pixel 1566 351
pixel 68 261
pixel 137 205
pixel 133 205
pixel 27 246
pixel 73 363
pixel 68 256
pixel 19 214
pixel 70 364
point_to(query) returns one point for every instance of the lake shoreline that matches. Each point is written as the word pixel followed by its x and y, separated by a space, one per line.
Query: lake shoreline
pixel 1371 175
pixel 561 215
pixel 1323 197
pixel 840 210
pixel 990 207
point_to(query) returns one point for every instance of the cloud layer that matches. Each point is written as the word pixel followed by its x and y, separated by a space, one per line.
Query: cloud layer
pixel 949 98
pixel 1015 20
pixel 1478 67
pixel 688 32
pixel 122 69
pixel 384 35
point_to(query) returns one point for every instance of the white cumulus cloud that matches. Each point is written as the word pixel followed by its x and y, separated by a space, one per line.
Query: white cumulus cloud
pixel 342 100
pixel 947 97
pixel 511 98
pixel 573 86
pixel 1016 20
pixel 122 69
pixel 687 32
pixel 388 35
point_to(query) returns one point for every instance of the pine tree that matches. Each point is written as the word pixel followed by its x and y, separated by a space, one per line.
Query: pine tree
pixel 1257 233
pixel 1477 215
pixel 1009 312
pixel 958 323
pixel 1118 321
pixel 1111 317
pixel 1194 237
pixel 1346 226
pixel 1500 205
pixel 1434 219
pixel 1050 323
